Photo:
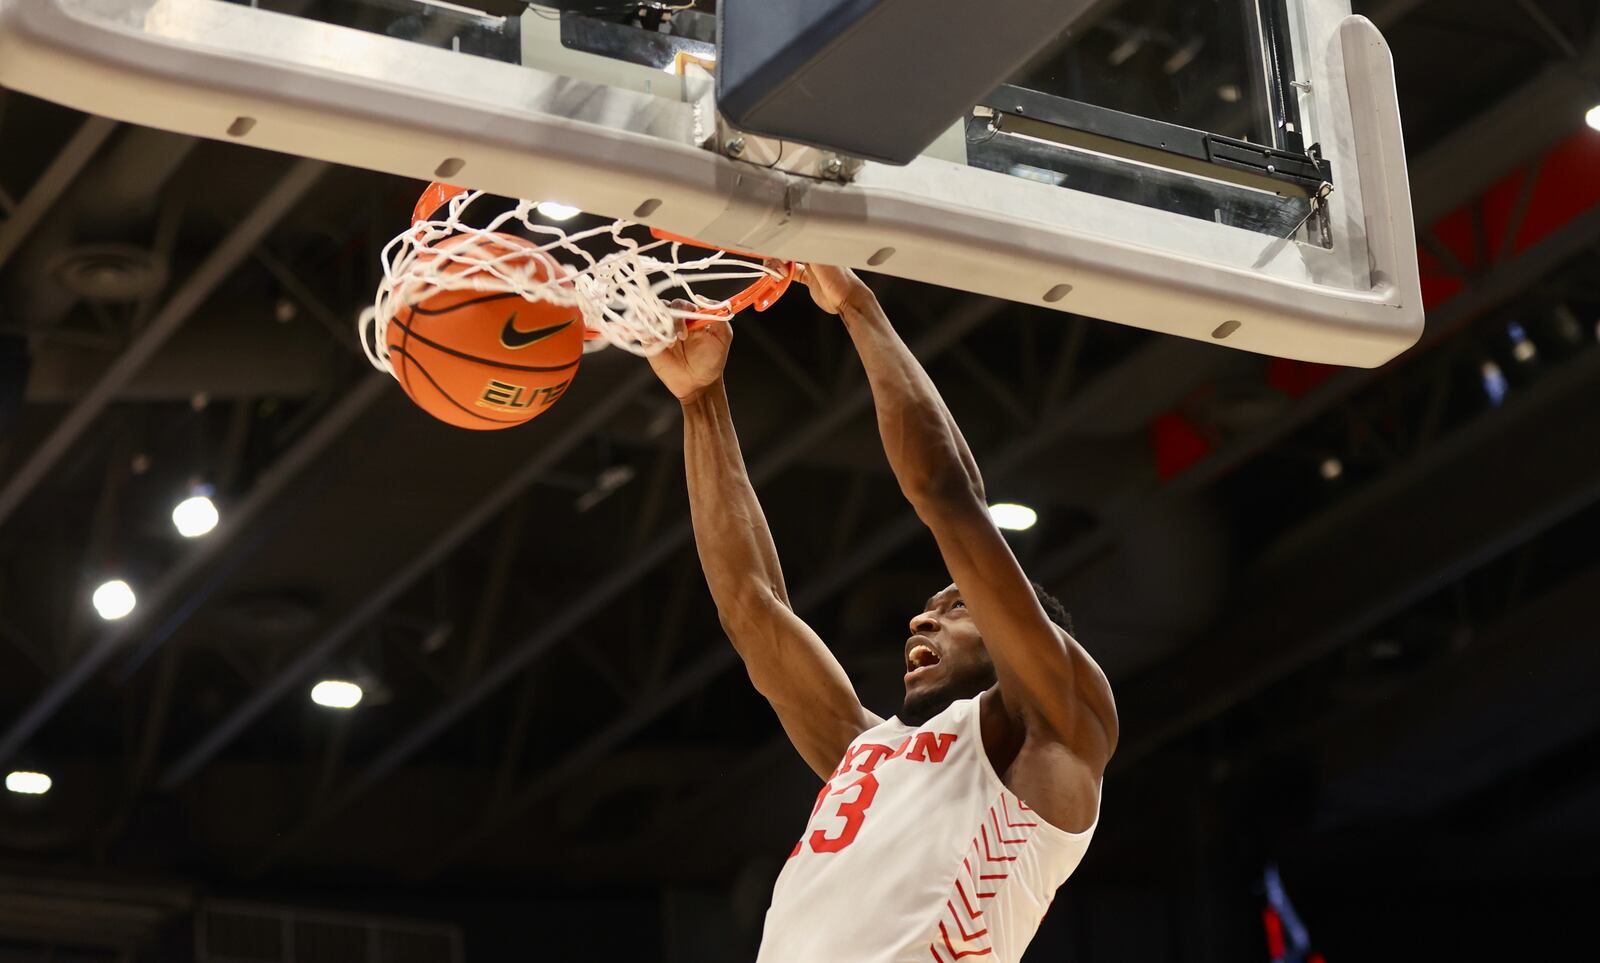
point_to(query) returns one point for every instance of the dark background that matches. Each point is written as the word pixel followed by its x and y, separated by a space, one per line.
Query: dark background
pixel 1349 615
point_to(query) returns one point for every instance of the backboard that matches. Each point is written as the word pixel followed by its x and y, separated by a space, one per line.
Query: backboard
pixel 1226 170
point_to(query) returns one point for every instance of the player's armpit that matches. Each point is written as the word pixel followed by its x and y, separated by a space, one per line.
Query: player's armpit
pixel 1059 785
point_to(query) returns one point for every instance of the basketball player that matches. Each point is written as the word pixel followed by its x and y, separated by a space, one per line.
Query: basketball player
pixel 943 832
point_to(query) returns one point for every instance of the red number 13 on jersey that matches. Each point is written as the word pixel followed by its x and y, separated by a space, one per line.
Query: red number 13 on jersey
pixel 853 811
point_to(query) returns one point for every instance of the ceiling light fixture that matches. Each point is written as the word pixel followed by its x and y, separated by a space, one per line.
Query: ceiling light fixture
pixel 556 212
pixel 195 516
pixel 27 783
pixel 114 599
pixel 1013 517
pixel 336 694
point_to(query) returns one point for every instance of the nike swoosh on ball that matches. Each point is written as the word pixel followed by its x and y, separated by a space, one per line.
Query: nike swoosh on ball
pixel 513 339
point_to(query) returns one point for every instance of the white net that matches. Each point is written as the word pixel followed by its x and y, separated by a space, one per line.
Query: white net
pixel 632 289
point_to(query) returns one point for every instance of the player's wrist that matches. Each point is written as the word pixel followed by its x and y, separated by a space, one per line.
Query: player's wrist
pixel 857 298
pixel 702 395
pixel 860 306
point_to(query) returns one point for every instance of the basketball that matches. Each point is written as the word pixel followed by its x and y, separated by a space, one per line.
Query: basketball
pixel 480 358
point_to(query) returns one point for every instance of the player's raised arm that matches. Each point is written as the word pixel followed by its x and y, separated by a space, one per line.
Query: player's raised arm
pixel 786 660
pixel 1046 679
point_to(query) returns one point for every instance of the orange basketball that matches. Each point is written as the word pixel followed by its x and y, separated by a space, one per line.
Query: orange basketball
pixel 485 359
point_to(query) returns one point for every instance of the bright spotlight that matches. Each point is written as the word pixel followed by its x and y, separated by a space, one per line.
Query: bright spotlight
pixel 1015 518
pixel 1330 469
pixel 114 599
pixel 195 516
pixel 336 694
pixel 1593 117
pixel 555 211
pixel 28 783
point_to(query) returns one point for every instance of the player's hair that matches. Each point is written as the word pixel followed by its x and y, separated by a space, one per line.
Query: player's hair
pixel 1053 608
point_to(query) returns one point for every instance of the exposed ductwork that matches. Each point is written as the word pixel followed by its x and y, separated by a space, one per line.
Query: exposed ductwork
pixel 113 201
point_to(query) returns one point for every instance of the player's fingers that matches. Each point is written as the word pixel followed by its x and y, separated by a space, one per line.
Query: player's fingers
pixel 680 325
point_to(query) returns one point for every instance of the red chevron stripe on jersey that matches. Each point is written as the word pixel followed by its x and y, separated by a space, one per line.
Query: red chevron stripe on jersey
pixel 1007 810
pixel 956 954
pixel 982 847
pixel 965 936
pixel 995 819
pixel 979 878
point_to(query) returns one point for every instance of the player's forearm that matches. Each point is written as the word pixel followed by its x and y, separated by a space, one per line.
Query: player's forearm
pixel 730 530
pixel 926 450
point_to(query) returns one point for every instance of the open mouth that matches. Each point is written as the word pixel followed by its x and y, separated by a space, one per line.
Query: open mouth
pixel 920 656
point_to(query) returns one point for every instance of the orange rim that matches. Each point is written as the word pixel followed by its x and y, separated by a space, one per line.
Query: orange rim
pixel 761 295
pixel 437 195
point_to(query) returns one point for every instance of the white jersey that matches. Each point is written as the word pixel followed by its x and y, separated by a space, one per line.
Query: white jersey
pixel 917 852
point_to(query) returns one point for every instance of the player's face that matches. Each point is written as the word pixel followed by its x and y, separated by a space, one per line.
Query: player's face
pixel 944 657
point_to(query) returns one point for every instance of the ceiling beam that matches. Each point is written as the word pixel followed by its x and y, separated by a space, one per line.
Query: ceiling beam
pixel 1558 41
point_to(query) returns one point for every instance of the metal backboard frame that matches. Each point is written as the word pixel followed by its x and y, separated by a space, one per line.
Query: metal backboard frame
pixel 631 140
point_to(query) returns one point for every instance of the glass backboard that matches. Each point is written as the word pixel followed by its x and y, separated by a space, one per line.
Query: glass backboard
pixel 1228 170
